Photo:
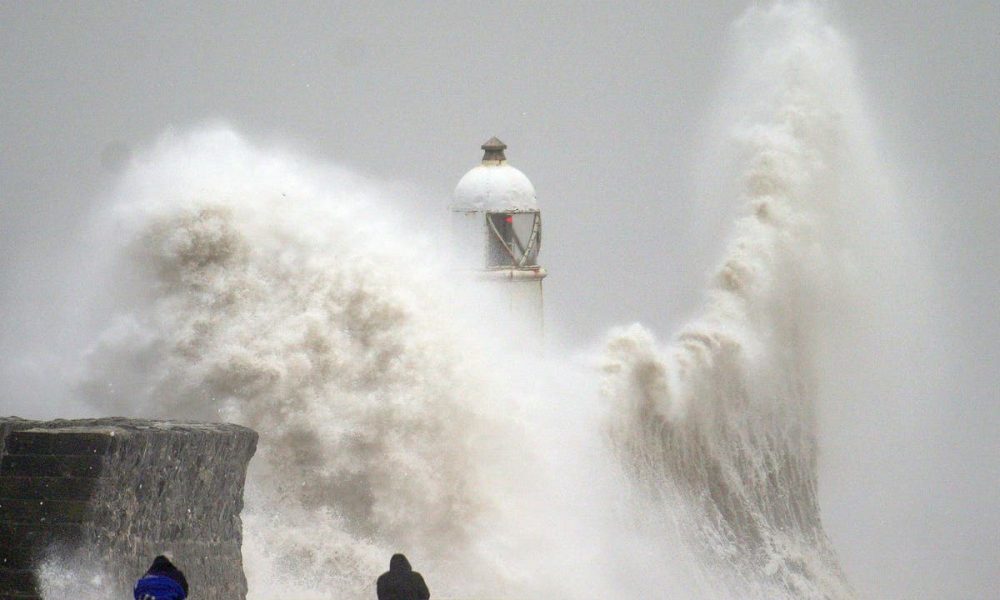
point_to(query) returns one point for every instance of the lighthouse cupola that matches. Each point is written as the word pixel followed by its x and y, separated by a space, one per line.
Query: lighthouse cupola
pixel 498 229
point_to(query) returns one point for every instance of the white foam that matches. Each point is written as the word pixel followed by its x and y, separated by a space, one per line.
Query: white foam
pixel 279 293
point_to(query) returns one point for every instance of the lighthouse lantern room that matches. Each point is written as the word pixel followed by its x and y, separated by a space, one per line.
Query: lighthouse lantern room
pixel 498 230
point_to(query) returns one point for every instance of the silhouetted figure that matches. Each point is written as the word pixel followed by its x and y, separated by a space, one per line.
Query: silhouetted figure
pixel 401 582
pixel 163 581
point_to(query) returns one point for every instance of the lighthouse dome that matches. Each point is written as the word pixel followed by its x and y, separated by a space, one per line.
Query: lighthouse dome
pixel 494 185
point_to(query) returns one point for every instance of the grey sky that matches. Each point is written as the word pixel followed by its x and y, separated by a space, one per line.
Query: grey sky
pixel 602 105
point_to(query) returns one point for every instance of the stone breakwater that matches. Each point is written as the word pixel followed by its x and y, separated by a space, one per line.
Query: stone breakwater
pixel 112 493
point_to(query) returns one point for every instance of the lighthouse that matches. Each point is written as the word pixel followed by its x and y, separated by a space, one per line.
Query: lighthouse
pixel 498 232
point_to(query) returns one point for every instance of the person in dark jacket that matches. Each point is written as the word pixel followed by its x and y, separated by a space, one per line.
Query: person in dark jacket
pixel 401 582
pixel 163 581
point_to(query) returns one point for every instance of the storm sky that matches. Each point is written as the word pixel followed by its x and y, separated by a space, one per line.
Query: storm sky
pixel 605 107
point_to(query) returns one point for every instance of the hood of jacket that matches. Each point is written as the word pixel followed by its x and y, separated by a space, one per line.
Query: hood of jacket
pixel 161 564
pixel 399 564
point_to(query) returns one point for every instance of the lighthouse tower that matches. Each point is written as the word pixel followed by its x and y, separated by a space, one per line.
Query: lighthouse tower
pixel 498 230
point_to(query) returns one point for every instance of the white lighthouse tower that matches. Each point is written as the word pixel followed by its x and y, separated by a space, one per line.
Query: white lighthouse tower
pixel 498 229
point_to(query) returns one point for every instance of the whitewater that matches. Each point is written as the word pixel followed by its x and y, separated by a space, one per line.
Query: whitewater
pixel 250 284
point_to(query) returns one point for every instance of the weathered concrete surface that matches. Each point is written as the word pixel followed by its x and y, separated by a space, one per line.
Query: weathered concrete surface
pixel 113 493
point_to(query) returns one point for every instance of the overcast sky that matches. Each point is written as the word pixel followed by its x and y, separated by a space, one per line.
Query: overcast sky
pixel 603 106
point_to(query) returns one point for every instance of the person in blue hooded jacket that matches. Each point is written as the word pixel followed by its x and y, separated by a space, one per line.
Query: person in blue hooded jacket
pixel 163 581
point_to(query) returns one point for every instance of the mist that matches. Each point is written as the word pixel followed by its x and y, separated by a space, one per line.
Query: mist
pixel 611 113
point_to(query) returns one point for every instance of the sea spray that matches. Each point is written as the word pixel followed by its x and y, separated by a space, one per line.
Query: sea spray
pixel 268 290
pixel 718 428
pixel 256 286
pixel 270 293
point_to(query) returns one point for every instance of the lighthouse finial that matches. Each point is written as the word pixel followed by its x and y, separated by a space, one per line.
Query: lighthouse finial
pixel 494 150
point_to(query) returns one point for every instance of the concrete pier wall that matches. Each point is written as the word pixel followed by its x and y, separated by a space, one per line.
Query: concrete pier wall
pixel 107 495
